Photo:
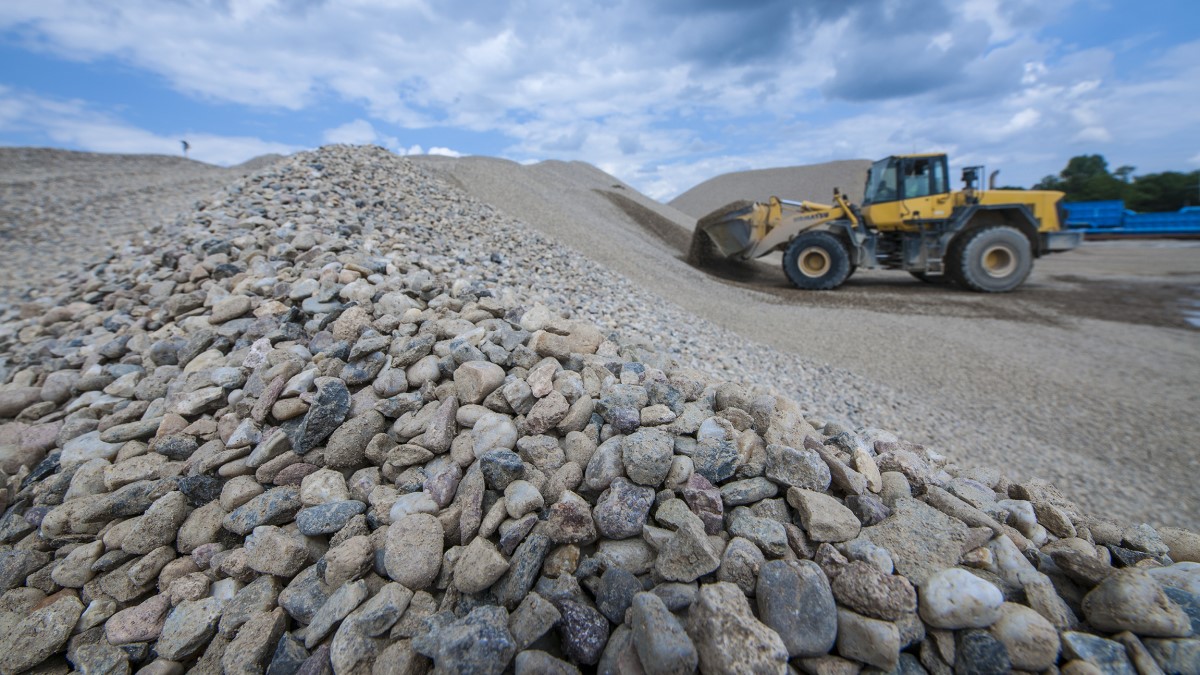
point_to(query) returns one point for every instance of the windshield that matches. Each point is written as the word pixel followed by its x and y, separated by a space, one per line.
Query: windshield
pixel 881 182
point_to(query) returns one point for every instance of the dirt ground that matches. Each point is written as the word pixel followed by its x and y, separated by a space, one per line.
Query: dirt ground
pixel 1152 283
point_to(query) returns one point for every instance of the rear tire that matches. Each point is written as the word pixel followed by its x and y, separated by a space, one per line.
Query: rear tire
pixel 992 260
pixel 816 261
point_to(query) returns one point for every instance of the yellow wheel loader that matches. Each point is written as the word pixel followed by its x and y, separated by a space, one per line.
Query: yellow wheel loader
pixel 910 219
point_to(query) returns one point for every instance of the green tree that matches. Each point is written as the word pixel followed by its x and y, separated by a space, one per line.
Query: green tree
pixel 1086 178
pixel 1166 191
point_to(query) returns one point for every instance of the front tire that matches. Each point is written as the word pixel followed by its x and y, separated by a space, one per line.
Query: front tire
pixel 993 260
pixel 816 261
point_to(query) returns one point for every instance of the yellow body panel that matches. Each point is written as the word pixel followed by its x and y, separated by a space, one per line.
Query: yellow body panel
pixel 1043 203
pixel 899 216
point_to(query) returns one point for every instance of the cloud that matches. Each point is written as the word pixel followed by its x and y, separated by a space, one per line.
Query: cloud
pixel 662 93
pixel 358 132
pixel 76 124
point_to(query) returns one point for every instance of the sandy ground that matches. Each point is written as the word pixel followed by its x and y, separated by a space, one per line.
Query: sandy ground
pixel 1089 375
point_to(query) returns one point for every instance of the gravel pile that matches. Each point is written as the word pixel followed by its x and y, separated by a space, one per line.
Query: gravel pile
pixel 342 417
pixel 44 192
pixel 814 182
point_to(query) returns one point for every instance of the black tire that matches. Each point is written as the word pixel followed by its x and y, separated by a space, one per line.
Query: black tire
pixel 991 260
pixel 939 280
pixel 816 261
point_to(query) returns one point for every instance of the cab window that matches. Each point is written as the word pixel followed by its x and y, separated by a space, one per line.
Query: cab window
pixel 882 185
pixel 924 176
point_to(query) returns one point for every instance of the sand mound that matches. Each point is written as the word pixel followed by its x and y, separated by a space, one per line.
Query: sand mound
pixel 814 182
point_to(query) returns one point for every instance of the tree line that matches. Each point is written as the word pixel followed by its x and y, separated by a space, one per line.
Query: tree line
pixel 1087 178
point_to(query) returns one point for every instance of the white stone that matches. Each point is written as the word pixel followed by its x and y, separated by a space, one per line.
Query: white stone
pixel 954 598
pixel 1031 640
pixel 414 502
pixel 521 497
pixel 323 486
pixel 492 431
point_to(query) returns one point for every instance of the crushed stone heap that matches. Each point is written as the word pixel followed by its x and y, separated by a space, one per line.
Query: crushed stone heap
pixel 343 418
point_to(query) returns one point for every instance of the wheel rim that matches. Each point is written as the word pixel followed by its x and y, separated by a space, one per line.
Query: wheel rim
pixel 998 261
pixel 813 261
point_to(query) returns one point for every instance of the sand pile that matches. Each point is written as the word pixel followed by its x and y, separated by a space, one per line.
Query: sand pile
pixel 814 182
pixel 343 417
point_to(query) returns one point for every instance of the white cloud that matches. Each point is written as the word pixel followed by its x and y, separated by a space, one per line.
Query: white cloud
pixel 358 132
pixel 75 124
pixel 662 94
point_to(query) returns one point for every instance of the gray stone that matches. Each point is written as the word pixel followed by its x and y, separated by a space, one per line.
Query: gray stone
pixel 258 596
pixel 501 467
pixel 256 641
pixel 646 455
pixel 663 646
pixel 921 539
pixel 277 506
pixel 536 662
pixel 716 460
pixel 768 535
pixel 796 467
pixel 271 550
pixel 621 511
pixel 339 605
pixel 687 555
pixel 478 643
pixel 823 517
pixel 748 491
pixel 615 592
pixel 1132 600
pixel 582 630
pixel 189 628
pixel 381 611
pixel 326 414
pixel 304 595
pixel 978 653
pixel 1175 656
pixel 870 641
pixel 1107 655
pixel 795 601
pixel 740 562
pixel 327 518
pixel 524 566
pixel 531 620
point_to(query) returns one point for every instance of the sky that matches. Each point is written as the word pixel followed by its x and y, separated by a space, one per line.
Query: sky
pixel 663 94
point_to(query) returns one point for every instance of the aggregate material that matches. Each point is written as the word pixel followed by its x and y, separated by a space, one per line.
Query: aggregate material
pixel 253 439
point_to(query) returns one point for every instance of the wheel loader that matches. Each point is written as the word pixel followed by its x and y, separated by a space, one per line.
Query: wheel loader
pixel 909 219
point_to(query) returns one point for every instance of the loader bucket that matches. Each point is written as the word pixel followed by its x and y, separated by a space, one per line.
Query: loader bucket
pixel 727 232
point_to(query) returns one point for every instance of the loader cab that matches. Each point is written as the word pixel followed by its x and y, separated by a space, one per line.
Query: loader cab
pixel 903 177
